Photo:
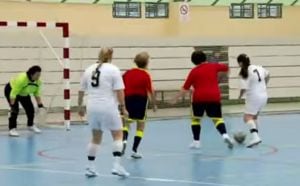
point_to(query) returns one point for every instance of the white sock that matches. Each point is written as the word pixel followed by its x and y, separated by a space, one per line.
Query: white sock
pixel 251 124
pixel 225 136
pixel 256 123
pixel 92 151
pixel 117 151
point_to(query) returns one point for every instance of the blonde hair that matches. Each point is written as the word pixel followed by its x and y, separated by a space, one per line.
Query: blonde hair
pixel 142 59
pixel 105 54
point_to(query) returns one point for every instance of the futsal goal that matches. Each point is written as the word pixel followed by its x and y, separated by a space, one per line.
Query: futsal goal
pixel 24 44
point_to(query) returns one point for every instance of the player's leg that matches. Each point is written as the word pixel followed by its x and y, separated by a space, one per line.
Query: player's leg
pixel 92 149
pixel 14 112
pixel 197 114
pixel 253 107
pixel 252 110
pixel 214 111
pixel 126 129
pixel 113 122
pixel 250 120
pixel 29 110
pixel 140 127
pixel 118 169
pixel 138 112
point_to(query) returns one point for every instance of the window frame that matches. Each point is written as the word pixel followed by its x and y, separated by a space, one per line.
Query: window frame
pixel 242 6
pixel 127 9
pixel 156 10
pixel 268 10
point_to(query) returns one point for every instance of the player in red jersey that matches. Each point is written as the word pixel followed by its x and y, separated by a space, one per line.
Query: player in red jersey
pixel 138 87
pixel 206 96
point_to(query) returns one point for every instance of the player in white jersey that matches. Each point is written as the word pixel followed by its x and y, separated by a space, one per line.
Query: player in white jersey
pixel 254 80
pixel 104 86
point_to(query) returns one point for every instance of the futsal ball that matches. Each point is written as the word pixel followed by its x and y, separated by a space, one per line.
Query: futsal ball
pixel 239 137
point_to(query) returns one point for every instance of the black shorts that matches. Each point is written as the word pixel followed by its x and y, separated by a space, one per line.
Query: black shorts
pixel 136 107
pixel 212 110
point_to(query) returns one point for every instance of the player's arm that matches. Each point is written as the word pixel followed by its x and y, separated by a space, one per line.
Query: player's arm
pixel 153 100
pixel 243 87
pixel 118 87
pixel 81 111
pixel 222 67
pixel 83 88
pixel 39 101
pixel 186 87
pixel 37 96
pixel 267 78
pixel 242 92
pixel 16 88
pixel 151 93
pixel 180 94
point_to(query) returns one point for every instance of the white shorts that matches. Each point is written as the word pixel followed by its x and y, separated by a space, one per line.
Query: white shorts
pixel 104 119
pixel 254 106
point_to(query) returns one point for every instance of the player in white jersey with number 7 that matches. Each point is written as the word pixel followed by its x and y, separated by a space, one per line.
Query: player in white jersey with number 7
pixel 254 80
pixel 104 86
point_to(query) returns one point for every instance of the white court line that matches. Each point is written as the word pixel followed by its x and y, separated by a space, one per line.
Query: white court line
pixel 110 176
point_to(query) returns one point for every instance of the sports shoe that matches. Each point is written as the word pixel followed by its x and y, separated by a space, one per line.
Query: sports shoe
pixel 34 129
pixel 195 145
pixel 136 155
pixel 119 171
pixel 91 172
pixel 255 141
pixel 14 133
pixel 229 142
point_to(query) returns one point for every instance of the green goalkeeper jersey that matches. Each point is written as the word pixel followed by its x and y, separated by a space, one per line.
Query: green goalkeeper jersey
pixel 22 86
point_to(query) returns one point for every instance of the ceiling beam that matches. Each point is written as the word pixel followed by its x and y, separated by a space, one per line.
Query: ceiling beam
pixel 215 2
pixel 294 3
pixel 96 1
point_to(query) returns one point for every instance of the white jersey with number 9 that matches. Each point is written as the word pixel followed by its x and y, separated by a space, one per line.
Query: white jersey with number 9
pixel 102 105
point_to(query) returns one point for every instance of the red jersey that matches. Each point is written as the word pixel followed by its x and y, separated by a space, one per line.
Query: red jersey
pixel 204 80
pixel 137 82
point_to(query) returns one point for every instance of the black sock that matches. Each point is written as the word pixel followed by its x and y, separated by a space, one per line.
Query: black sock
pixel 196 129
pixel 221 128
pixel 117 154
pixel 253 130
pixel 136 143
pixel 91 158
pixel 125 135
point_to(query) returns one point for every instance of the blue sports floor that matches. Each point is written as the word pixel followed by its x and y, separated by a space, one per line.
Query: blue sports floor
pixel 57 157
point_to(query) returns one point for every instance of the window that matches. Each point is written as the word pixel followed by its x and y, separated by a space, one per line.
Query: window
pixel 269 10
pixel 127 10
pixel 241 11
pixel 157 10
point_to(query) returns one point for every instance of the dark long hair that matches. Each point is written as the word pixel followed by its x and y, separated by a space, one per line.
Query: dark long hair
pixel 32 70
pixel 245 61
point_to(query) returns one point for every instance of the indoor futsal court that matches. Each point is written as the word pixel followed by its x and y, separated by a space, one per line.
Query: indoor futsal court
pixel 149 92
pixel 55 158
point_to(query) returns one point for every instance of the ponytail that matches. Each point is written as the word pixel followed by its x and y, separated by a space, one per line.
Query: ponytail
pixel 245 61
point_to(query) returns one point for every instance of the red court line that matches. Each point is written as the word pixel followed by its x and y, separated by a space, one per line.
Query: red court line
pixel 44 154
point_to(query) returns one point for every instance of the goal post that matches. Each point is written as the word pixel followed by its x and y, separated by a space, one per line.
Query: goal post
pixel 64 28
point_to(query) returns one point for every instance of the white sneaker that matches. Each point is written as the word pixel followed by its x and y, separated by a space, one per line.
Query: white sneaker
pixel 229 142
pixel 34 129
pixel 90 172
pixel 136 155
pixel 255 141
pixel 119 171
pixel 195 145
pixel 14 133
